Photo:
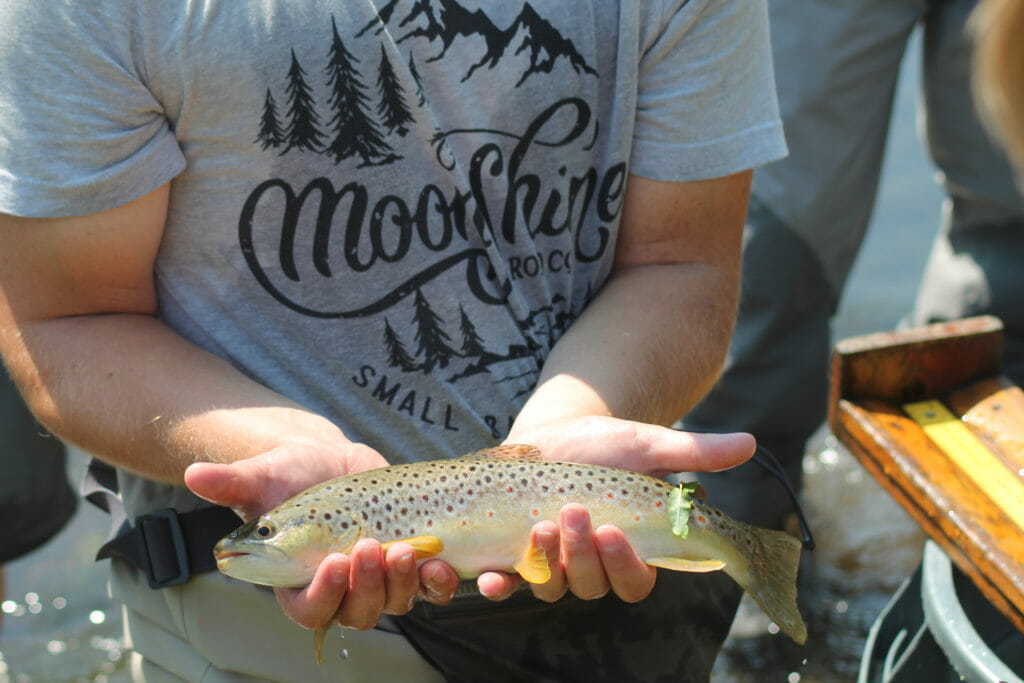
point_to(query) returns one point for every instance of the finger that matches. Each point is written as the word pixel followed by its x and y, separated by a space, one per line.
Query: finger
pixel 583 568
pixel 497 585
pixel 630 578
pixel 546 535
pixel 438 582
pixel 364 602
pixel 314 605
pixel 403 581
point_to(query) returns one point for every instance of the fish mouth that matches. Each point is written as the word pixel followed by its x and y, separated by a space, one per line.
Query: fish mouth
pixel 220 557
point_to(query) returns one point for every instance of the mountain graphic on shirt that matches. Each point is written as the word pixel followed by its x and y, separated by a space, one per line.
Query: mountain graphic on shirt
pixel 372 103
pixel 447 20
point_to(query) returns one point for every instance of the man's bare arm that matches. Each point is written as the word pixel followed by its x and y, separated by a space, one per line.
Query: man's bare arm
pixel 78 331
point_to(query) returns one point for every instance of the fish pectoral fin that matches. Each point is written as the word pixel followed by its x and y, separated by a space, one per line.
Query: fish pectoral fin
pixel 425 546
pixel 533 565
pixel 318 641
pixel 680 564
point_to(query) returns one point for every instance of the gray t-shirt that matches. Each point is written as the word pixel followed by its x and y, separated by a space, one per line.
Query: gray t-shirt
pixel 387 211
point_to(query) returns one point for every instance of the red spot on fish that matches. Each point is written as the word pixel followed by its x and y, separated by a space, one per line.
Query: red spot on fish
pixel 610 495
pixel 636 517
pixel 509 489
pixel 657 504
pixel 490 514
pixel 535 512
pixel 702 519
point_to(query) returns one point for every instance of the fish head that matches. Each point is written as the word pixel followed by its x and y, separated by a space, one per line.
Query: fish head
pixel 283 547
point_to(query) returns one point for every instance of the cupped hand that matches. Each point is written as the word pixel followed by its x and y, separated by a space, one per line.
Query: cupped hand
pixel 588 562
pixel 354 589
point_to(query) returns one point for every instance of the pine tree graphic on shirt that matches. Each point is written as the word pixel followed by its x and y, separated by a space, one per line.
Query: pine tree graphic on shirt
pixel 271 134
pixel 356 133
pixel 392 108
pixel 302 131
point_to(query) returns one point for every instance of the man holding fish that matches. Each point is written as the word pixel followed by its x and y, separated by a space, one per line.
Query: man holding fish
pixel 246 251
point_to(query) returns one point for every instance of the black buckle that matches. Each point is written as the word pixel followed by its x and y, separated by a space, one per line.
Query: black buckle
pixel 158 558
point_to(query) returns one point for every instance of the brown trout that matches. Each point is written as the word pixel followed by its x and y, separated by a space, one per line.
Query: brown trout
pixel 476 513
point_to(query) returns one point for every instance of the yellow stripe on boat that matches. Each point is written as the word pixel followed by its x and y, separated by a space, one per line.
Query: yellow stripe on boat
pixel 1002 485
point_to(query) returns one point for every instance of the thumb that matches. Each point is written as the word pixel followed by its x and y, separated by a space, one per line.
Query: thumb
pixel 236 486
pixel 671 450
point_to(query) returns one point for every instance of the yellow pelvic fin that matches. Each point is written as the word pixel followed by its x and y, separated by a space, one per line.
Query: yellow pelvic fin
pixel 318 641
pixel 680 564
pixel 533 565
pixel 509 451
pixel 426 546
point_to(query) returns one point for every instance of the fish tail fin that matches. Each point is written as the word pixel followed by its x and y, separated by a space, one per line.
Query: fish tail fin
pixel 770 575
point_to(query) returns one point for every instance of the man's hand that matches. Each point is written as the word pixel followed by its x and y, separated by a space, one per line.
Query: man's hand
pixel 354 589
pixel 591 562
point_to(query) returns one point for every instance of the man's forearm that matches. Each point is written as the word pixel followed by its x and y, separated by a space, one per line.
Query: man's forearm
pixel 648 347
pixel 130 390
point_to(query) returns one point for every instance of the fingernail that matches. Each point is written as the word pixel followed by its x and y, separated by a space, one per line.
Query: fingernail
pixel 406 562
pixel 369 556
pixel 609 542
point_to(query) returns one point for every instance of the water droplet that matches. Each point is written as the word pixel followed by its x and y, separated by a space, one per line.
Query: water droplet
pixel 56 647
pixel 842 606
pixel 829 457
pixel 8 606
pixel 343 653
pixel 773 628
pixel 31 598
pixel 59 603
pixel 97 616
pixel 35 607
pixel 793 677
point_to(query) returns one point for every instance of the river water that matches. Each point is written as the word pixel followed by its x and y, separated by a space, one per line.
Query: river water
pixel 58 624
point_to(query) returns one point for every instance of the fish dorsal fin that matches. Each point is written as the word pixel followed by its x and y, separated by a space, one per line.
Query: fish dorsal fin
pixel 425 546
pixel 533 565
pixel 680 564
pixel 509 451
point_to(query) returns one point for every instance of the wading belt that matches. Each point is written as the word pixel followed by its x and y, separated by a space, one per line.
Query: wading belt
pixel 167 546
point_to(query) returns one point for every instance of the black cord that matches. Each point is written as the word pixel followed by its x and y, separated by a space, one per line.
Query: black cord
pixel 766 459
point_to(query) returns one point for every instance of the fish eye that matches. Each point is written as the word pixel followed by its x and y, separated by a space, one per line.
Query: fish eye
pixel 265 530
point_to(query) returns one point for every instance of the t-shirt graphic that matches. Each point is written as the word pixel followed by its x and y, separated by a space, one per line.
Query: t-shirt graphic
pixel 440 178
